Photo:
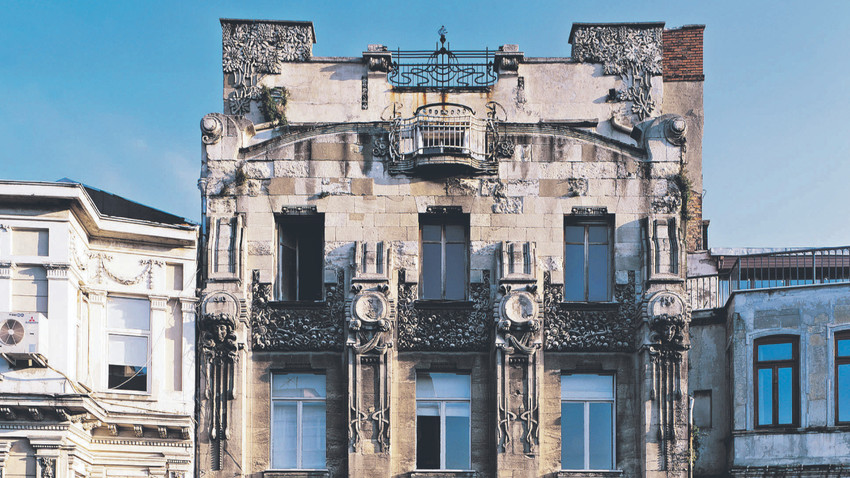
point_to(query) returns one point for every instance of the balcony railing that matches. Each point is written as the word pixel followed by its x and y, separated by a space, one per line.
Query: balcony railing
pixel 770 270
pixel 445 134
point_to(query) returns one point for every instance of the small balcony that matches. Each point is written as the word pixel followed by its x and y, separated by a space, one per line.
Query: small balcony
pixel 767 271
pixel 445 136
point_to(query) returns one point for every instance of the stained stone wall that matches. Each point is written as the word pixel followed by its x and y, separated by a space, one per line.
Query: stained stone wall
pixel 556 151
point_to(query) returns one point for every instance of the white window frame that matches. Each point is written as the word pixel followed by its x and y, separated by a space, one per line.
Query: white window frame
pixel 443 401
pixel 587 401
pixel 586 222
pixel 299 435
pixel 146 334
pixel 442 222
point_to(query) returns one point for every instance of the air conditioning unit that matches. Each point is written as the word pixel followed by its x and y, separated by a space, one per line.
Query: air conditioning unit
pixel 23 335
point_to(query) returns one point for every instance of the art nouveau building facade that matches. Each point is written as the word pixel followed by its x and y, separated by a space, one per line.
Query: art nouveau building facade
pixel 97 296
pixel 449 264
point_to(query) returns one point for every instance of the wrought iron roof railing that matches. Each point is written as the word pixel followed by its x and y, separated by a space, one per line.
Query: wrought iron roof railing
pixel 770 270
pixel 443 69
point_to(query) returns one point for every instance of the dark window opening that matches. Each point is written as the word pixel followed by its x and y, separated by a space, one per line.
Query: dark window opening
pixel 300 251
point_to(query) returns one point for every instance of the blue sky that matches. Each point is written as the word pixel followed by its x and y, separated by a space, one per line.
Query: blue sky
pixel 111 93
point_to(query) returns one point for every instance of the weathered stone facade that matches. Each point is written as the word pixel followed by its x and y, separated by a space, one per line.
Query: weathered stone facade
pixel 507 168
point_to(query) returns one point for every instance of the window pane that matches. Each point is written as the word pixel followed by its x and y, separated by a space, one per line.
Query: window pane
pixel 124 313
pixel 29 242
pixel 574 235
pixel 597 234
pixel 455 271
pixel 127 377
pixel 843 347
pixel 765 392
pixel 455 233
pixel 597 273
pixel 432 232
pixel 574 273
pixel 128 350
pixel 313 435
pixel 298 385
pixel 776 352
pixel 427 436
pixel 785 396
pixel 284 432
pixel 442 385
pixel 601 436
pixel 572 436
pixel 843 392
pixel 457 436
pixel 587 386
pixel 432 271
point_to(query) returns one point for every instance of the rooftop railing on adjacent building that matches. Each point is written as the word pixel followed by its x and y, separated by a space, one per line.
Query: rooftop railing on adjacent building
pixel 770 270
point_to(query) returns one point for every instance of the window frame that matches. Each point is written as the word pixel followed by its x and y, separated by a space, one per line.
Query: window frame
pixel 444 220
pixel 840 360
pixel 298 417
pixel 443 401
pixel 301 222
pixel 606 220
pixel 774 366
pixel 124 332
pixel 586 432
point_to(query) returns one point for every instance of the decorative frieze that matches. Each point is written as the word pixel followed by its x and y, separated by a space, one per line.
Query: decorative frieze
pixel 606 328
pixel 631 51
pixel 444 327
pixel 297 326
pixel 252 49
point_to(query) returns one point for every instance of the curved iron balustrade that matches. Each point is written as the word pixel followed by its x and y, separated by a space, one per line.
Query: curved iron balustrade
pixel 442 69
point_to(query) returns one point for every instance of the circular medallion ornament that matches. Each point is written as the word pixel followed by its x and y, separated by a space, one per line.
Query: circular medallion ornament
pixel 519 307
pixel 370 307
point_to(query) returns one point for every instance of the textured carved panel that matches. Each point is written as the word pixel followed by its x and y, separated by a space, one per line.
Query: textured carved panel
pixel 297 327
pixel 632 52
pixel 250 50
pixel 589 330
pixel 433 329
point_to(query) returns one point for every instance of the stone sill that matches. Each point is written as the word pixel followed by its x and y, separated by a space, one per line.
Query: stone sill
pixel 588 305
pixel 442 474
pixel 590 474
pixel 296 474
pixel 297 304
pixel 437 304
pixel 791 430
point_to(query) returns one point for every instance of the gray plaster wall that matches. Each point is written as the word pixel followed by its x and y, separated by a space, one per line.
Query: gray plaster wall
pixel 815 314
pixel 708 372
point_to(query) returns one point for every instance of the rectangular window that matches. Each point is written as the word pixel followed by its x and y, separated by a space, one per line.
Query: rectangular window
pixel 298 421
pixel 299 257
pixel 29 289
pixel 587 260
pixel 29 242
pixel 128 323
pixel 443 257
pixel 587 422
pixel 442 421
pixel 776 371
pixel 842 378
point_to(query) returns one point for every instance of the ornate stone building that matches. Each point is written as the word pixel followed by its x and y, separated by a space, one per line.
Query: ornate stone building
pixel 97 335
pixel 450 263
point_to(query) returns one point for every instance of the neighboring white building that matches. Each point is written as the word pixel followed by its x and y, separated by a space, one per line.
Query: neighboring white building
pixel 97 329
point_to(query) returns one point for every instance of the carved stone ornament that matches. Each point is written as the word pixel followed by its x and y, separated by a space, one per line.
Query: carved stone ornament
pixel 211 129
pixel 380 147
pixel 219 355
pixel 48 466
pixel 369 324
pixel 605 329
pixel 422 327
pixel 297 327
pixel 667 316
pixel 632 52
pixel 253 49
pixel 669 202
